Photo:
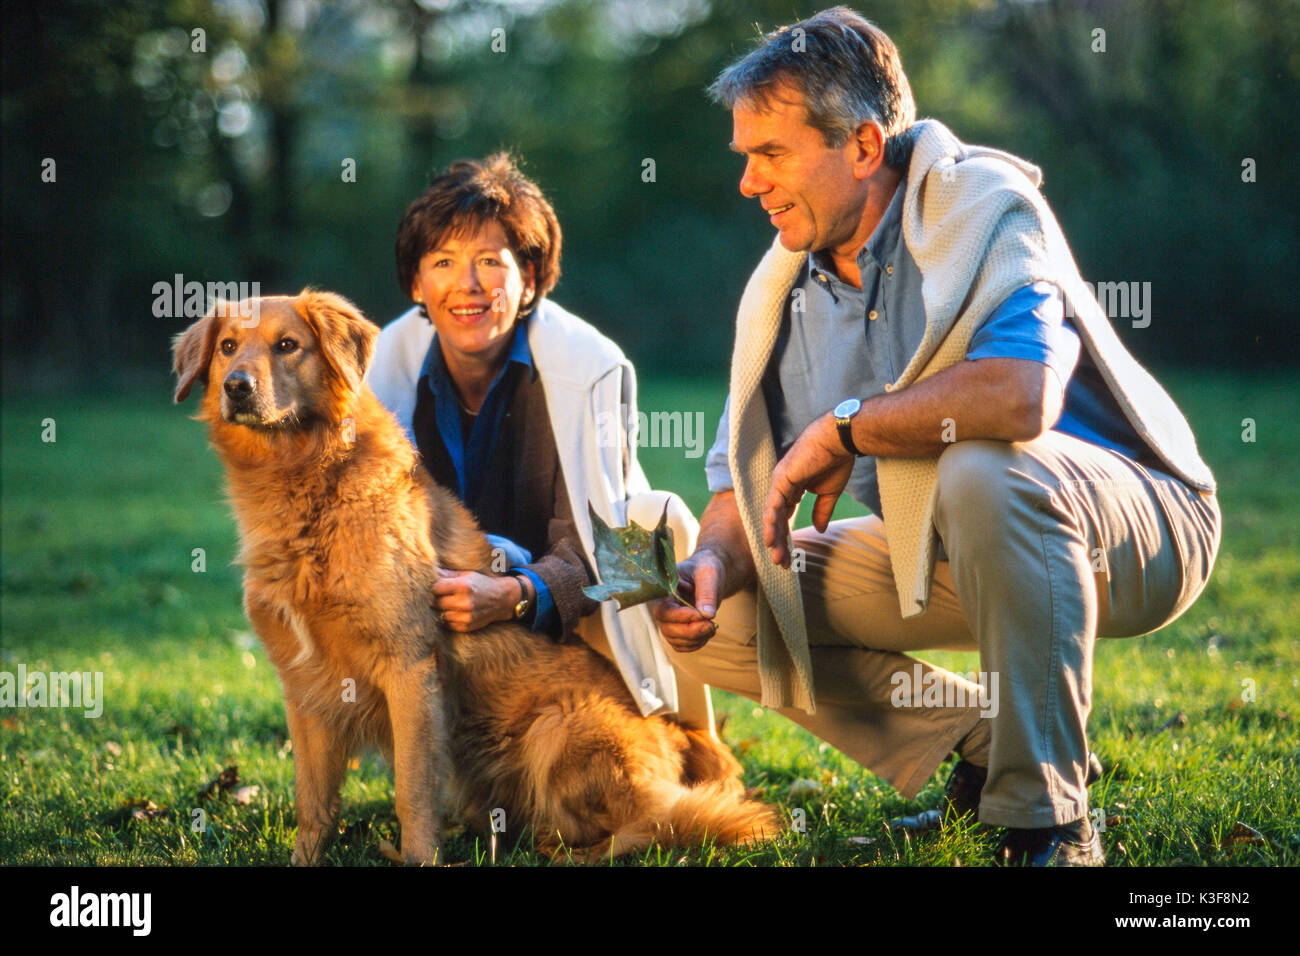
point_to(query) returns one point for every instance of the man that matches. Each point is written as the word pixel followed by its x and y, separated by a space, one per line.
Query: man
pixel 1032 487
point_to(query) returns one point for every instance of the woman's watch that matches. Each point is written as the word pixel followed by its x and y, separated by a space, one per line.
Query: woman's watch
pixel 523 605
pixel 844 413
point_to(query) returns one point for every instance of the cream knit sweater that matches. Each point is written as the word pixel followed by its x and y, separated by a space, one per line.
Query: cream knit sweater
pixel 978 229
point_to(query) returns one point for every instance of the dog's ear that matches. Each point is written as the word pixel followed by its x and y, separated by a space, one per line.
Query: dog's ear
pixel 192 353
pixel 347 338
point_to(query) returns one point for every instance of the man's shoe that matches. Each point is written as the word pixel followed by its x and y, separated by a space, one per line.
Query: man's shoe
pixel 961 796
pixel 1071 844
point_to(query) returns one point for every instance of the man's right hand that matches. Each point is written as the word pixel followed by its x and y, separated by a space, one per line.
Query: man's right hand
pixel 701 578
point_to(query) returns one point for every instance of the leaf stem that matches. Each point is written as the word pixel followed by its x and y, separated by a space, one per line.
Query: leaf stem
pixel 677 596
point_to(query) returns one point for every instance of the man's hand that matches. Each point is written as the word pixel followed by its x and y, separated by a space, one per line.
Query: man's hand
pixel 816 462
pixel 468 600
pixel 701 579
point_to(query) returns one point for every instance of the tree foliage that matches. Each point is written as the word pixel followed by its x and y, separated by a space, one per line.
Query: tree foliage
pixel 228 164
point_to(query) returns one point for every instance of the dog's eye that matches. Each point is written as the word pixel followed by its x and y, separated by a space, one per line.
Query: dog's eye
pixel 228 346
pixel 285 346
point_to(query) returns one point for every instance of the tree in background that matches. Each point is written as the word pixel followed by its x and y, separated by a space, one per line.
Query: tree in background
pixel 286 149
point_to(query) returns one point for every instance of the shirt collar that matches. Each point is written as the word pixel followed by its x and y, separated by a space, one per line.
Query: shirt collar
pixel 880 245
pixel 884 239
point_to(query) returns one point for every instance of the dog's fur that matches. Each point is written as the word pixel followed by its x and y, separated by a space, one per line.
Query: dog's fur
pixel 342 535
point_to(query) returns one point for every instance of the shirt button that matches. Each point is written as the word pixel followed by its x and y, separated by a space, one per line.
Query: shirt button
pixel 889 270
pixel 872 315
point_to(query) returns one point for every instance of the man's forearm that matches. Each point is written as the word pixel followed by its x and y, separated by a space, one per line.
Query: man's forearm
pixel 1004 399
pixel 722 532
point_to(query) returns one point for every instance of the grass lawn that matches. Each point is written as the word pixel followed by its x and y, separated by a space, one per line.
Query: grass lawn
pixel 100 529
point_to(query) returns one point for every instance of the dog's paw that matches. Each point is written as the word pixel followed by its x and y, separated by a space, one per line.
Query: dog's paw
pixel 423 855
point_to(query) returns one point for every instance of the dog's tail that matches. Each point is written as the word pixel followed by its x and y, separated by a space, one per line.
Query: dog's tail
pixel 704 759
pixel 716 811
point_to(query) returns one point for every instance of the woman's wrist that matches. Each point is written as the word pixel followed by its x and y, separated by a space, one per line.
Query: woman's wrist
pixel 515 588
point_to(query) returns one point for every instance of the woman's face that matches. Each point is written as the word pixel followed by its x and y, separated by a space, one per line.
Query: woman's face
pixel 472 287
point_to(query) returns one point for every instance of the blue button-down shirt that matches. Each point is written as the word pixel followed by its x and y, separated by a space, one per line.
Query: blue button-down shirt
pixel 840 342
pixel 471 458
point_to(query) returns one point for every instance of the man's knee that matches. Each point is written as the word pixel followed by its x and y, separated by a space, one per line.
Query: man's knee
pixel 981 476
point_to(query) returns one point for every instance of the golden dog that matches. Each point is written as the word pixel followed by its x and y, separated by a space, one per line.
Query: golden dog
pixel 342 534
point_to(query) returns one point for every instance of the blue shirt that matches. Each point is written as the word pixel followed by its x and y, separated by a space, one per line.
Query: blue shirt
pixel 838 342
pixel 470 457
pixel 1031 324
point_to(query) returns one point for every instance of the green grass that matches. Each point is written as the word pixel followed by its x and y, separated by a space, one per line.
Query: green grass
pixel 98 533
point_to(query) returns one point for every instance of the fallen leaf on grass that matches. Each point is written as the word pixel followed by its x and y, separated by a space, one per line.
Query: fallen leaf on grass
pixel 149 811
pixel 228 779
pixel 1178 720
pixel 803 787
pixel 140 808
pixel 1243 835
pixel 184 731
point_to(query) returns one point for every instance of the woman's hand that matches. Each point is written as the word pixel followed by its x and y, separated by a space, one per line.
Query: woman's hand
pixel 468 600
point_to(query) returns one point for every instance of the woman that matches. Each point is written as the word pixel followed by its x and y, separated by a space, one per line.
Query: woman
pixel 510 399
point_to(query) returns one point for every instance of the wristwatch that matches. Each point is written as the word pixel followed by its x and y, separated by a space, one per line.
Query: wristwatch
pixel 844 413
pixel 523 604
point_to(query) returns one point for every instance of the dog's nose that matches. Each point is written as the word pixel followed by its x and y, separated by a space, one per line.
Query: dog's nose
pixel 239 385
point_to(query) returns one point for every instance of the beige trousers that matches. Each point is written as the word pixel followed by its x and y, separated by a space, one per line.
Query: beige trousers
pixel 1047 545
pixel 693 702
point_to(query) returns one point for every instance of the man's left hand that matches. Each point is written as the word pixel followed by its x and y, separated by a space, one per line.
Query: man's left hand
pixel 816 462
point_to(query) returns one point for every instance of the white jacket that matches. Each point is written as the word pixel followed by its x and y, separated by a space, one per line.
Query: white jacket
pixel 590 391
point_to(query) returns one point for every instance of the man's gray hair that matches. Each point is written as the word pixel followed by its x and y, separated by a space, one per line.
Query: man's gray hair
pixel 845 68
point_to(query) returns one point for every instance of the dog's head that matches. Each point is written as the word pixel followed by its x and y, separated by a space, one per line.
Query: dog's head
pixel 277 362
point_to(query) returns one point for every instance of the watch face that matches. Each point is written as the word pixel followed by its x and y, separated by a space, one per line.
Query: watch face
pixel 847 407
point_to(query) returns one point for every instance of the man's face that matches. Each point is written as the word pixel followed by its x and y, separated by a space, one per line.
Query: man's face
pixel 809 190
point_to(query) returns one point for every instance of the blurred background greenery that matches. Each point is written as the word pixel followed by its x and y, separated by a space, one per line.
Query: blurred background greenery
pixel 227 164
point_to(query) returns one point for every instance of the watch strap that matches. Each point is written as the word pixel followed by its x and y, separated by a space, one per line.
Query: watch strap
pixel 846 438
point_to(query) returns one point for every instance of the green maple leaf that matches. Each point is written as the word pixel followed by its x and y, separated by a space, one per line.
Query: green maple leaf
pixel 635 565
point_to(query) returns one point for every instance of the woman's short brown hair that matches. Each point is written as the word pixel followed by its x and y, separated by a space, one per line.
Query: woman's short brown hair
pixel 471 193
